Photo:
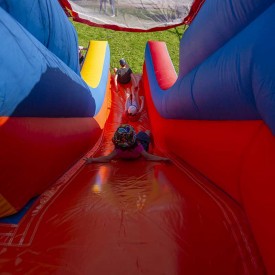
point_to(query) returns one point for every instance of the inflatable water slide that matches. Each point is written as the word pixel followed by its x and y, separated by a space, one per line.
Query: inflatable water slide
pixel 208 211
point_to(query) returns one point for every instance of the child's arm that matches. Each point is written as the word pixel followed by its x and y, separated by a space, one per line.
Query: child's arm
pixel 142 104
pixel 115 81
pixel 127 103
pixel 152 157
pixel 107 158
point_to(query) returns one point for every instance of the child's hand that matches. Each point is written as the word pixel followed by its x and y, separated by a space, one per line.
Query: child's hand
pixel 165 159
pixel 88 160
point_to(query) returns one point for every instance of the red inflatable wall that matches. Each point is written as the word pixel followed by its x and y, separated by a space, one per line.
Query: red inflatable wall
pixel 237 156
pixel 35 152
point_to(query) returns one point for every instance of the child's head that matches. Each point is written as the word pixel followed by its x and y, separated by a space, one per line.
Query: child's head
pixel 124 137
pixel 122 62
pixel 132 110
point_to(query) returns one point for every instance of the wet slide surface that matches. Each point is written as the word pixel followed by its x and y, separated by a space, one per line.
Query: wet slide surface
pixel 131 217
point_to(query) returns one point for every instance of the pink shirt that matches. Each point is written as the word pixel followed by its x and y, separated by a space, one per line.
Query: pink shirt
pixel 130 153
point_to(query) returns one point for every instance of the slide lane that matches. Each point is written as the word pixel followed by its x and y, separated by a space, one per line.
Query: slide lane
pixel 131 217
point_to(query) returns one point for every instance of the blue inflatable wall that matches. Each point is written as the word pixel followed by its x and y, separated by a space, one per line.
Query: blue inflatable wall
pixel 45 86
pixel 226 71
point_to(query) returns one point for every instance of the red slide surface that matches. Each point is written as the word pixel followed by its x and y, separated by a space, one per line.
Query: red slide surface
pixel 130 217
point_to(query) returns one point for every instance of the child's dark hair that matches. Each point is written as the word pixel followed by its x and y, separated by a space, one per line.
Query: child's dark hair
pixel 125 137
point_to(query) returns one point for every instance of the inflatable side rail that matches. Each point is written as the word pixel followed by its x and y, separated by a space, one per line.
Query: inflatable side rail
pixel 234 83
pixel 96 71
pixel 220 120
pixel 48 119
pixel 238 156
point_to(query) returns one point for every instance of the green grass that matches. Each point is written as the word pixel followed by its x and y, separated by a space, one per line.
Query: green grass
pixel 131 45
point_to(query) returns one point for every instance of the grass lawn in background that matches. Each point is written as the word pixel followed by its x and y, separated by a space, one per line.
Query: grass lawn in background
pixel 131 45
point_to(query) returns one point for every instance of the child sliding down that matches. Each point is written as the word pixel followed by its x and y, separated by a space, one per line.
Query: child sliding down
pixel 129 145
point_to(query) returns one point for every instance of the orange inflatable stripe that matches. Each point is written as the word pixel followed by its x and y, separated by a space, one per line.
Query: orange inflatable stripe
pixel 6 209
pixel 3 120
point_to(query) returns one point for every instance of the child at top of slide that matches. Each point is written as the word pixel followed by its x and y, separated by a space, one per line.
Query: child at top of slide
pixel 124 78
